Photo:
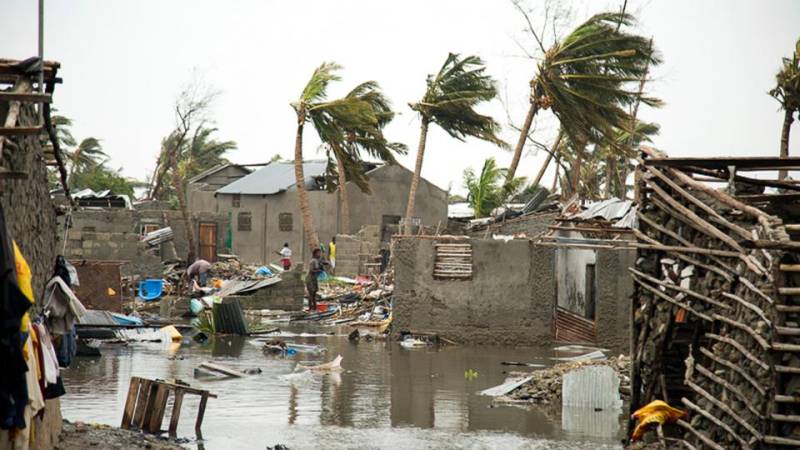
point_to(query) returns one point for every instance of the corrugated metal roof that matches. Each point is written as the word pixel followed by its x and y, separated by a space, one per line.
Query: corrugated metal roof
pixel 273 178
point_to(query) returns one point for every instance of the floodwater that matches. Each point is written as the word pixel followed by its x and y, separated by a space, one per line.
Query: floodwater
pixel 387 397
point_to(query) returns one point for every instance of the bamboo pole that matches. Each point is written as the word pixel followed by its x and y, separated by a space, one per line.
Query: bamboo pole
pixel 748 403
pixel 753 333
pixel 671 300
pixel 735 367
pixel 705 439
pixel 679 289
pixel 725 408
pixel 749 306
pixel 740 348
pixel 716 421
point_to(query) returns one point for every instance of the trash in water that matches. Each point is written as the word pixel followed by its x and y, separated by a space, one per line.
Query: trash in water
pixel 586 356
pixel 334 365
pixel 413 343
pixel 509 385
pixel 470 374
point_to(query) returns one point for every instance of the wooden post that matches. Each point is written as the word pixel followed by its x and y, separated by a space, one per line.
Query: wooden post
pixel 176 413
pixel 200 413
pixel 130 402
pixel 141 403
pixel 157 408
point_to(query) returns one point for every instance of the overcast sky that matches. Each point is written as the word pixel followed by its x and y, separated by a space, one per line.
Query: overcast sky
pixel 124 62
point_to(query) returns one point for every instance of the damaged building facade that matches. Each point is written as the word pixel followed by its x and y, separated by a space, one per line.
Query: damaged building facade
pixel 568 284
pixel 264 214
pixel 716 323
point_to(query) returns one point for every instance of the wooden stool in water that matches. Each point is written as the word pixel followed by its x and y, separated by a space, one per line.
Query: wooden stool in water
pixel 147 403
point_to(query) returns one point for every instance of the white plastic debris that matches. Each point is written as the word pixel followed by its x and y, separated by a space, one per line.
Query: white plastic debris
pixel 594 386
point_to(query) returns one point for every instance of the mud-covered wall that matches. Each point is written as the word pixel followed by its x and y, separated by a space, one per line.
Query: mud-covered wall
pixel 531 225
pixel 30 215
pixel 614 291
pixel 509 299
pixel 31 221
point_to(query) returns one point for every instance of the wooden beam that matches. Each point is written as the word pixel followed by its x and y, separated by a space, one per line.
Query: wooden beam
pixel 783 347
pixel 789 290
pixel 787 369
pixel 705 439
pixel 790 267
pixel 736 368
pixel 788 308
pixel 740 348
pixel 20 131
pixel 775 440
pixel 715 421
pixel 32 97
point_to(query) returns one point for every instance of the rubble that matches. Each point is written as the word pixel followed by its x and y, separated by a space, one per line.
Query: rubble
pixel 544 386
pixel 80 436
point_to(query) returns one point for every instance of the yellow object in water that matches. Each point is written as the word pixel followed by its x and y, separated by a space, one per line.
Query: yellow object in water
pixel 111 292
pixel 655 412
pixel 173 333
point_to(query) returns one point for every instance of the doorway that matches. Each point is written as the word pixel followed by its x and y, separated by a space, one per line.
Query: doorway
pixel 208 241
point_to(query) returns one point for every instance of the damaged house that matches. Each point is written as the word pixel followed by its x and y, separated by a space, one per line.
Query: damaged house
pixel 562 285
pixel 264 213
pixel 716 306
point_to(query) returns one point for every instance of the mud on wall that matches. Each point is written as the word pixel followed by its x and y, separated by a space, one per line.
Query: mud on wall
pixel 509 299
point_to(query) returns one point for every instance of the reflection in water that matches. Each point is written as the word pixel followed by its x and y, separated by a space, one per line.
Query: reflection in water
pixel 387 396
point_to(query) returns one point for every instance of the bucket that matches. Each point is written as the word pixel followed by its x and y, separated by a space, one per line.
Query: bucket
pixel 322 307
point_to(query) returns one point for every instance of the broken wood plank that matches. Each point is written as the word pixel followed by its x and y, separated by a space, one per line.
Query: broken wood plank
pixel 787 398
pixel 222 369
pixel 785 418
pixel 130 403
pixel 176 413
pixel 20 131
pixel 158 407
pixel 24 97
pixel 790 267
pixel 788 308
pixel 201 412
pixel 141 402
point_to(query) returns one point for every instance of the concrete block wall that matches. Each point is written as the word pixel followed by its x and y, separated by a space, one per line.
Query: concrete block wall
pixel 532 225
pixel 508 301
pixel 511 297
pixel 286 295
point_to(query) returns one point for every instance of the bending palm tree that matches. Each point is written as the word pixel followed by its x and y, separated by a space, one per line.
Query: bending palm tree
pixel 330 119
pixel 449 102
pixel 367 138
pixel 486 191
pixel 583 80
pixel 88 154
pixel 787 92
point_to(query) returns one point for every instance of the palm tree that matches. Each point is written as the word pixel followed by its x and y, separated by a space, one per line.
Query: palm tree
pixel 787 92
pixel 367 139
pixel 486 191
pixel 203 152
pixel 330 119
pixel 583 79
pixel 86 155
pixel 449 101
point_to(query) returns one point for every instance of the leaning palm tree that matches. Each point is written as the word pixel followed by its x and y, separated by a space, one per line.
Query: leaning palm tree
pixel 365 139
pixel 449 101
pixel 86 155
pixel 584 80
pixel 787 92
pixel 203 152
pixel 330 119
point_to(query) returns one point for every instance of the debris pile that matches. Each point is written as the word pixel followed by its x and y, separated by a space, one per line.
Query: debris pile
pixel 544 386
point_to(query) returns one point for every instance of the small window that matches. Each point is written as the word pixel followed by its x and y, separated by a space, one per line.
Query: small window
pixel 149 228
pixel 285 221
pixel 236 200
pixel 245 221
pixel 452 261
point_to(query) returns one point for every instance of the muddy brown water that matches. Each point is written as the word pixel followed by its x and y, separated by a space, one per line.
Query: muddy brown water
pixel 387 397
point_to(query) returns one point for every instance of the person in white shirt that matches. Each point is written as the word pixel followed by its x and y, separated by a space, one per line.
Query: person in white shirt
pixel 286 256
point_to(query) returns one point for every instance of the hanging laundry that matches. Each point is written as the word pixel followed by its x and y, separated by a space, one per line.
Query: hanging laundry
pixel 61 306
pixel 13 305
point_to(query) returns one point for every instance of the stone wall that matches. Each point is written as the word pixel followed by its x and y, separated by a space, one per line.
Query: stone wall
pixel 286 295
pixel 31 221
pixel 510 298
pixel 531 225
pixel 113 234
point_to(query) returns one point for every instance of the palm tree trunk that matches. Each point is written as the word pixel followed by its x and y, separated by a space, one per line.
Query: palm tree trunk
pixel 523 136
pixel 344 203
pixel 548 159
pixel 423 136
pixel 177 184
pixel 611 169
pixel 576 167
pixel 302 194
pixel 787 125
pixel 555 178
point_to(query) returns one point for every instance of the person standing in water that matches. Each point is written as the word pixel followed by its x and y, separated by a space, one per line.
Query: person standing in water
pixel 286 256
pixel 332 253
pixel 312 282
